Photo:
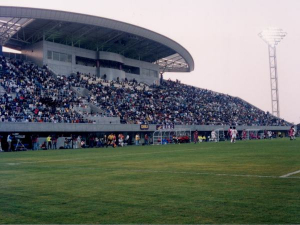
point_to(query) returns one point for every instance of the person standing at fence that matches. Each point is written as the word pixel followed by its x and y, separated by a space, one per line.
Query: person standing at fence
pixel 0 144
pixel 48 139
pixel 35 142
pixel 92 139
pixel 79 141
pixel 270 134
pixel 74 141
pixel 127 142
pixel 67 143
pixel 146 139
pixel 196 137
pixel 265 134
pixel 244 134
pixel 214 136
pixel 9 140
pixel 229 133
pixel 137 139
pixel 54 142
pixel 32 142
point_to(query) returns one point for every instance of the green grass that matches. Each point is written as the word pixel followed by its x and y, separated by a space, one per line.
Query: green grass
pixel 154 184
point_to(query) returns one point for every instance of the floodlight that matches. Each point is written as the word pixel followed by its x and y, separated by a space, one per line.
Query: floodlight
pixel 272 36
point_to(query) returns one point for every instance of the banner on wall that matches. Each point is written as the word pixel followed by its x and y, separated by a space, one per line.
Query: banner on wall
pixel 144 126
pixel 165 126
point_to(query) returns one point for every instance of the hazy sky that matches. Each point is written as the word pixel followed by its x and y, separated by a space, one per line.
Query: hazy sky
pixel 222 37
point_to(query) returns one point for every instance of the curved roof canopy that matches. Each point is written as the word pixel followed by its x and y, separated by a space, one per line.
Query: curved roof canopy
pixel 20 27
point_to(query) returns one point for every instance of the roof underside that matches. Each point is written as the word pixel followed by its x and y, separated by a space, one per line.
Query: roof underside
pixel 19 32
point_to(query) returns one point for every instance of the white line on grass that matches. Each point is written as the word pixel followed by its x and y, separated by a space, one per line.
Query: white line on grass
pixel 289 174
pixel 200 173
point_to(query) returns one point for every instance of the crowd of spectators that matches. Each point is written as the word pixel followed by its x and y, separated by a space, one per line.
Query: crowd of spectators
pixel 33 94
pixel 170 103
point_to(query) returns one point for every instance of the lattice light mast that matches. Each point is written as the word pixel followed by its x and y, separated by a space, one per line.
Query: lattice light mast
pixel 272 36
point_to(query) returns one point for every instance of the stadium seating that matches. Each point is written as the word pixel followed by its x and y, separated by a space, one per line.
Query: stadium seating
pixel 171 102
pixel 33 94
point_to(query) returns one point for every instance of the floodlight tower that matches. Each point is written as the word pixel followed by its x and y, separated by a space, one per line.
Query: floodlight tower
pixel 272 36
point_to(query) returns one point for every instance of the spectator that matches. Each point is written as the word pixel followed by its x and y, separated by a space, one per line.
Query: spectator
pixel 1 150
pixel 34 139
pixel 48 139
pixel 79 141
pixel 137 139
pixel 146 139
pixel 44 146
pixel 9 140
pixel 54 142
pixel 67 143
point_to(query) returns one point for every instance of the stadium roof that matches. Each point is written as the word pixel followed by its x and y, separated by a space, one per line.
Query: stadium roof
pixel 20 27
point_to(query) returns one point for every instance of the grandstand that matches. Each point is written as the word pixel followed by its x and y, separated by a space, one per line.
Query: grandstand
pixel 85 74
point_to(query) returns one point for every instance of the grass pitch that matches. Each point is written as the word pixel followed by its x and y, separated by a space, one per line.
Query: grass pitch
pixel 188 183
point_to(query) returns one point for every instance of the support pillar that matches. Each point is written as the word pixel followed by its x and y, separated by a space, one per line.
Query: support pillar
pixel 98 64
pixel 274 81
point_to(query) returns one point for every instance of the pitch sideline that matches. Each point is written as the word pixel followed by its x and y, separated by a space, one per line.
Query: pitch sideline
pixel 202 173
pixel 289 174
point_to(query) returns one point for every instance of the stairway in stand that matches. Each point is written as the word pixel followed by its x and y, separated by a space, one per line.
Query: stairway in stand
pixel 2 90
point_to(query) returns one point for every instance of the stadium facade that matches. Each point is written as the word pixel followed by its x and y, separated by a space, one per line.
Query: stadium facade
pixel 71 42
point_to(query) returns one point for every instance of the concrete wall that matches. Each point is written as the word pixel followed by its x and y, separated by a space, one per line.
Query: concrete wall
pixel 111 56
pixel 105 120
pixel 95 109
pixel 66 68
pixel 83 69
pixel 112 74
pixel 35 53
pixel 83 127
pixel 143 79
pixel 140 64
pixel 82 109
pixel 81 91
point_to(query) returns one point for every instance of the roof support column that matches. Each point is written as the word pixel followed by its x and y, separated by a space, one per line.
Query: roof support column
pixel 98 64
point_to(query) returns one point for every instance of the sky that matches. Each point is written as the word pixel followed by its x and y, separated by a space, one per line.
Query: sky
pixel 222 37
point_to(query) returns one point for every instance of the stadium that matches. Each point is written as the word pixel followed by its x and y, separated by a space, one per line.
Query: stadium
pixel 80 79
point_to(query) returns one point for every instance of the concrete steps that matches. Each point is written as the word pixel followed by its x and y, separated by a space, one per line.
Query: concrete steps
pixel 2 90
